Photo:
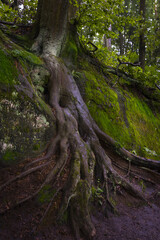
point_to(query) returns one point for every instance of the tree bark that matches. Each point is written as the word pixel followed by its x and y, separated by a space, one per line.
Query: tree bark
pixel 51 25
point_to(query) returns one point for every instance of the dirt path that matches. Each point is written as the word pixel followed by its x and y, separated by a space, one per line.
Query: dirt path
pixel 132 224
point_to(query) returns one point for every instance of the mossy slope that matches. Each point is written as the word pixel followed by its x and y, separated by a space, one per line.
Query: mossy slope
pixel 121 113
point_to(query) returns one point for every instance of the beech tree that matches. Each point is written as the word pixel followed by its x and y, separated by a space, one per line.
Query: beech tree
pixel 77 137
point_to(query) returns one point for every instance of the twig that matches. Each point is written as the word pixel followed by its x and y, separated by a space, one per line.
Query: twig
pixel 127 63
pixel 158 86
pixel 23 174
pixel 95 47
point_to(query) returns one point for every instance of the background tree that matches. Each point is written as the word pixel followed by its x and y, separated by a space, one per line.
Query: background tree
pixel 142 35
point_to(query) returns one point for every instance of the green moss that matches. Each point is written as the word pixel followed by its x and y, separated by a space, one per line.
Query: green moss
pixel 145 126
pixel 46 194
pixel 8 158
pixel 42 106
pixel 8 71
pixel 83 193
pixel 103 104
pixel 28 56
pixel 70 51
pixel 36 147
pixel 25 41
pixel 122 114
pixel 64 219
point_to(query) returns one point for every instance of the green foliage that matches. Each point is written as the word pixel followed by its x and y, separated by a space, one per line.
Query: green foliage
pixel 7 13
pixel 96 16
pixel 141 183
pixel 97 194
pixel 25 13
pixel 29 11
pixel 149 77
pixel 109 57
pixel 150 152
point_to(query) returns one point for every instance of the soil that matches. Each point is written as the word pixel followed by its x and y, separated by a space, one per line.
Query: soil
pixel 134 220
pixel 132 223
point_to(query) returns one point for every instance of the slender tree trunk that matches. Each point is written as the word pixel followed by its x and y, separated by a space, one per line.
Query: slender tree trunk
pixel 107 42
pixel 121 43
pixel 142 35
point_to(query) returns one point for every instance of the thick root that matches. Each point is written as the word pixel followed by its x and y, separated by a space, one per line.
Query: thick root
pixel 78 135
pixel 23 174
pixel 79 212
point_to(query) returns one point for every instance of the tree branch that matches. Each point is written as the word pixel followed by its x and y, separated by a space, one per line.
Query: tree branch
pixel 158 86
pixel 127 63
pixel 14 23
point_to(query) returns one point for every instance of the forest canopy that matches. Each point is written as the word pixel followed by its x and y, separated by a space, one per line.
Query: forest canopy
pixel 116 24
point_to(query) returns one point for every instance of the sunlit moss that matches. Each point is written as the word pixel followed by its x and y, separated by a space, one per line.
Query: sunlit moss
pixel 28 56
pixel 129 120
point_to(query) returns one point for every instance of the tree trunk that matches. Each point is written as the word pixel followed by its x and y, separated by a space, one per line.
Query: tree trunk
pixel 107 42
pixel 78 141
pixel 121 43
pixel 51 25
pixel 142 35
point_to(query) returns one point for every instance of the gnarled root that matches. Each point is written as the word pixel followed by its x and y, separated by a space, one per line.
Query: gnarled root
pixel 80 140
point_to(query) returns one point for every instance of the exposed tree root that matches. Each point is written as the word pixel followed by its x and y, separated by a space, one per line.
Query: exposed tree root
pixel 137 160
pixel 78 135
pixel 23 174
pixel 49 153
pixel 134 173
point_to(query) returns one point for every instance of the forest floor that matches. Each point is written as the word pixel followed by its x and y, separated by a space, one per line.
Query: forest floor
pixel 133 223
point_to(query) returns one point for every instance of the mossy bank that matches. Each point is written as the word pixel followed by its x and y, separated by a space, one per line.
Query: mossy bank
pixel 26 121
pixel 121 110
